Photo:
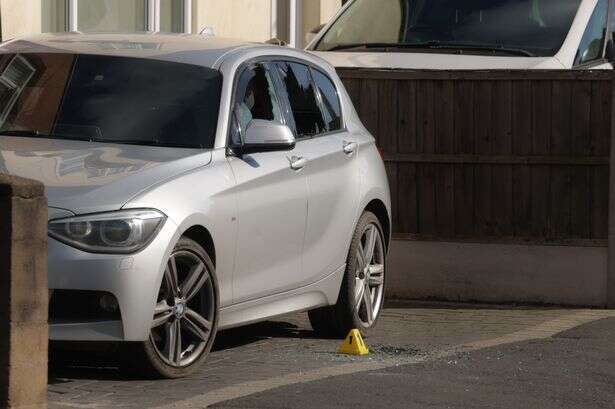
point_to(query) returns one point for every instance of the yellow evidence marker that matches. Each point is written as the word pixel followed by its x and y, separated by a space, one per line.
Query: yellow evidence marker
pixel 353 344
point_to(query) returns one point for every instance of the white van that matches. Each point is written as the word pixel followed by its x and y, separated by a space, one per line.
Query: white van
pixel 470 34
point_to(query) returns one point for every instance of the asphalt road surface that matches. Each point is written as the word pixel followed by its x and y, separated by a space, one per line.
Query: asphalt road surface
pixel 573 369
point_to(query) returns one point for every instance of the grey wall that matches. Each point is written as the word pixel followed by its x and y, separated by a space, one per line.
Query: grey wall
pixel 498 273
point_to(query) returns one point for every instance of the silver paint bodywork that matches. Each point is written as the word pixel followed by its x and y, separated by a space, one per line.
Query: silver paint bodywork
pixel 281 236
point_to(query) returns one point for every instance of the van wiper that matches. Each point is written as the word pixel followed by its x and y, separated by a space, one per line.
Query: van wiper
pixel 486 48
pixel 384 46
pixel 434 45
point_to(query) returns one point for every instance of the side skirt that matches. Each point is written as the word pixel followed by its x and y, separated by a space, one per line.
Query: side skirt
pixel 319 294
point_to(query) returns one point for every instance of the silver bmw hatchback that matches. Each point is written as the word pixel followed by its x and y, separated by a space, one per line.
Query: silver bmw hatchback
pixel 194 184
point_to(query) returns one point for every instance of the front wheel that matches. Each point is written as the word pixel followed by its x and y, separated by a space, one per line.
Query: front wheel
pixel 185 318
pixel 362 293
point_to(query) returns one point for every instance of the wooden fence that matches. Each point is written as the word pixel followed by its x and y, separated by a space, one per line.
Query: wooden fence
pixel 492 156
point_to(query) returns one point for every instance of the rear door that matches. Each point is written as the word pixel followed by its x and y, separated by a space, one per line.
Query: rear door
pixel 332 173
pixel 271 198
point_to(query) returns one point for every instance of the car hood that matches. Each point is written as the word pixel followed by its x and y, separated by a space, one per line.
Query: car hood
pixel 433 61
pixel 86 177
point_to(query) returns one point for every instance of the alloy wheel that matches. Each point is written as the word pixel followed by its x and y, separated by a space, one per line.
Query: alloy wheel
pixel 184 313
pixel 369 277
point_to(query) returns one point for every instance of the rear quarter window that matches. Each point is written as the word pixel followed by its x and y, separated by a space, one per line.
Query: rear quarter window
pixel 299 86
pixel 332 109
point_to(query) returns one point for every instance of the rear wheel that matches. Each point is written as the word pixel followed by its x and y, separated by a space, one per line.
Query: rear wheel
pixel 185 318
pixel 362 293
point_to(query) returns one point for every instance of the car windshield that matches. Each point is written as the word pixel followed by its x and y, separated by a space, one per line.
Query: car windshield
pixel 109 99
pixel 517 27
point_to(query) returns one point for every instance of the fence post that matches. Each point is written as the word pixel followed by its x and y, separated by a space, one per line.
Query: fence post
pixel 23 294
pixel 610 274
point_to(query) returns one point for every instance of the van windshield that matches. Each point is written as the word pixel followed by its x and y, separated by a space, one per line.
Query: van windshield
pixel 108 99
pixel 515 27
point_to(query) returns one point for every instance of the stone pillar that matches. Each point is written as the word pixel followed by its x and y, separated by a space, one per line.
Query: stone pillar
pixel 23 294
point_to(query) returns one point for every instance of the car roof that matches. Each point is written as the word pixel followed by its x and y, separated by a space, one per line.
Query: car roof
pixel 184 48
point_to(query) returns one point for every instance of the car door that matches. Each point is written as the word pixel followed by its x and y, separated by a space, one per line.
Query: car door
pixel 332 173
pixel 271 197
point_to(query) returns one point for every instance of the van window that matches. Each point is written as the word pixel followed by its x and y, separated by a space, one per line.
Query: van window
pixel 504 27
pixel 592 44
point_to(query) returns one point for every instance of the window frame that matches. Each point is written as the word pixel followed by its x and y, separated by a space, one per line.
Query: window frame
pixel 607 40
pixel 346 4
pixel 284 93
pixel 319 97
pixel 152 16
pixel 237 77
pixel 269 61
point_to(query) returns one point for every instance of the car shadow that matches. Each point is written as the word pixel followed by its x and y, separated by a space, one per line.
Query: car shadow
pixel 238 337
pixel 102 361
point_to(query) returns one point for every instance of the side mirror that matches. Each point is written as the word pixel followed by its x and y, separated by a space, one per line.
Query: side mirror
pixel 266 136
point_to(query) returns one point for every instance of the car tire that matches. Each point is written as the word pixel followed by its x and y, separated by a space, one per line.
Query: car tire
pixel 152 357
pixel 338 320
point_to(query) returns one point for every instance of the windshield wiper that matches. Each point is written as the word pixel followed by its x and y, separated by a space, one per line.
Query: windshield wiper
pixel 437 45
pixel 37 134
pixel 485 47
pixel 148 143
pixel 42 135
pixel 370 46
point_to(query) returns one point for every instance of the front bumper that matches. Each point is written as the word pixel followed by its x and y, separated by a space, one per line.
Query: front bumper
pixel 133 279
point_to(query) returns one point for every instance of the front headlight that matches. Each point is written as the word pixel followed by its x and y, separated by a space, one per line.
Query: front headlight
pixel 118 232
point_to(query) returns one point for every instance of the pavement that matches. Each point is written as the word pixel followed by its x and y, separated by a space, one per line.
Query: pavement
pixel 423 356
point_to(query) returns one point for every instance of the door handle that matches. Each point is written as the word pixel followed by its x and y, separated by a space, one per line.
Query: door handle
pixel 297 162
pixel 350 147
